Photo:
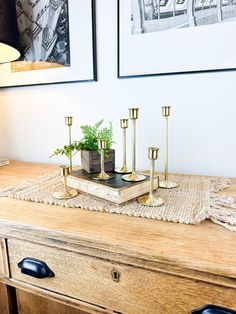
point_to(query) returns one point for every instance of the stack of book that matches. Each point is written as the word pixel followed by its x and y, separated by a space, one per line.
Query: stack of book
pixel 4 162
pixel 116 190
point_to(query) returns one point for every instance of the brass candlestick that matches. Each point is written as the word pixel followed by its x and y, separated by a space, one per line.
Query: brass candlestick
pixel 166 184
pixel 151 200
pixel 124 126
pixel 133 115
pixel 102 145
pixel 66 193
pixel 69 122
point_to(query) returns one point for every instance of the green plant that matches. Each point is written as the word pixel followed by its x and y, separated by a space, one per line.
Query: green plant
pixel 66 150
pixel 91 133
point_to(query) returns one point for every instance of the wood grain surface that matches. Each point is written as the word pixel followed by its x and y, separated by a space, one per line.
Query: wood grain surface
pixel 7 300
pixel 138 291
pixel 207 248
pixel 164 267
pixel 4 265
pixel 29 303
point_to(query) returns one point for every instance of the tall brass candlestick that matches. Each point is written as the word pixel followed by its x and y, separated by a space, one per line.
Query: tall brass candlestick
pixel 66 193
pixel 102 145
pixel 151 200
pixel 133 115
pixel 69 122
pixel 166 184
pixel 124 126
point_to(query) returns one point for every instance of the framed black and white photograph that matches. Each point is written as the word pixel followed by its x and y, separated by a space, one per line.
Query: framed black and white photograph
pixel 57 41
pixel 175 36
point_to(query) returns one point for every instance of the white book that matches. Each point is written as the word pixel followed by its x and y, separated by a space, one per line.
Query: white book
pixel 116 190
pixel 4 162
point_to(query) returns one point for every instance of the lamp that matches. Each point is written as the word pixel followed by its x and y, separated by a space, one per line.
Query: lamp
pixel 9 36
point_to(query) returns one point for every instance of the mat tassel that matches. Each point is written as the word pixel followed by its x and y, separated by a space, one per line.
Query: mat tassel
pixel 222 208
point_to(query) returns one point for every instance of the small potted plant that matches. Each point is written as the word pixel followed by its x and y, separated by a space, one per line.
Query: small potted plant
pixel 90 155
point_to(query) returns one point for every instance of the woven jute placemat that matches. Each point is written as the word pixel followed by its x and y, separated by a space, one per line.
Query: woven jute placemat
pixel 193 201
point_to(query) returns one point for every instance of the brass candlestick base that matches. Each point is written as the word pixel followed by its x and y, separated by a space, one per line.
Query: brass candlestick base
pixel 150 200
pixel 123 170
pixel 102 176
pixel 66 193
pixel 167 185
pixel 134 177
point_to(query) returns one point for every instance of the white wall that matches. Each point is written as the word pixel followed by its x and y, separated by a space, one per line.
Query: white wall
pixel 202 125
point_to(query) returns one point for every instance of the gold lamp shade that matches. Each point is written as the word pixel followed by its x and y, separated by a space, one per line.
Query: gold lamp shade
pixel 9 36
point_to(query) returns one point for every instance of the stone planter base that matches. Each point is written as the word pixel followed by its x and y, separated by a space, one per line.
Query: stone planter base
pixel 91 161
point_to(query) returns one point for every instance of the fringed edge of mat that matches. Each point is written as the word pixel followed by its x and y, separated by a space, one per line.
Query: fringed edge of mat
pixel 222 209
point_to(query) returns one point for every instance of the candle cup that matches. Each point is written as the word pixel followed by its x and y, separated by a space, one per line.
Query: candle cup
pixel 66 193
pixel 166 111
pixel 134 176
pixel 133 113
pixel 151 200
pixel 102 176
pixel 166 184
pixel 69 122
pixel 124 126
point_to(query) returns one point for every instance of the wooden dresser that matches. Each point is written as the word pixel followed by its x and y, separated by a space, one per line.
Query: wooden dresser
pixel 104 263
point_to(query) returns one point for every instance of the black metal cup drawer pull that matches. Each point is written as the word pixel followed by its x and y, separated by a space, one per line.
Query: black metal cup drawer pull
pixel 35 268
pixel 213 309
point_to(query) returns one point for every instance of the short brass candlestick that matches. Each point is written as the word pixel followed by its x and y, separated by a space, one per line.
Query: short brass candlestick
pixel 124 126
pixel 66 193
pixel 151 200
pixel 102 176
pixel 133 115
pixel 166 184
pixel 69 122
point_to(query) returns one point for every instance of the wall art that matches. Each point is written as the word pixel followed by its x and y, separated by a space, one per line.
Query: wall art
pixel 58 43
pixel 175 36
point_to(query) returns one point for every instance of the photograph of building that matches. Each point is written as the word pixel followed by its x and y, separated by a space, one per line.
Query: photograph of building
pixel 160 15
pixel 44 34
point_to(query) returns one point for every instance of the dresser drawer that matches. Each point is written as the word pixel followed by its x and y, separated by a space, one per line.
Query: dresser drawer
pixel 123 288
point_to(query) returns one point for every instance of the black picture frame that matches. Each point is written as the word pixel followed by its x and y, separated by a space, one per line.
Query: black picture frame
pixel 122 75
pixel 14 79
